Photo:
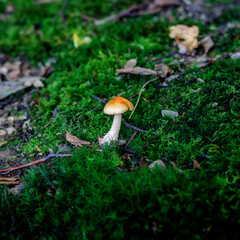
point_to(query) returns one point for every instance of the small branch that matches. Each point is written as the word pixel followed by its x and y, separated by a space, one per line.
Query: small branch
pixel 132 137
pixel 132 127
pixel 65 5
pixel 99 99
pixel 9 170
pixel 133 96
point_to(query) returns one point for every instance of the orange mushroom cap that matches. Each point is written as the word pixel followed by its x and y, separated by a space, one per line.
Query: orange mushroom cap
pixel 118 105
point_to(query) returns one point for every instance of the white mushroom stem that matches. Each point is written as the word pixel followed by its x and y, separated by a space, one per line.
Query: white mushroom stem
pixel 112 135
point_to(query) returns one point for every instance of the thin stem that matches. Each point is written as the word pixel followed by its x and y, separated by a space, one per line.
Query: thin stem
pixel 140 95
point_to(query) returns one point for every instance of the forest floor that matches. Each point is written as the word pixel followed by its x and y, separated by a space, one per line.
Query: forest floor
pixel 174 171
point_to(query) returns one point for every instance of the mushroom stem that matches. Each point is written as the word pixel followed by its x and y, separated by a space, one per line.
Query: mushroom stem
pixel 112 134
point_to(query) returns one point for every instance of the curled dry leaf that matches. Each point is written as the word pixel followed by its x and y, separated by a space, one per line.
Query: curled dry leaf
pixel 185 36
pixel 138 71
pixel 75 141
pixel 196 165
pixel 163 69
pixel 206 43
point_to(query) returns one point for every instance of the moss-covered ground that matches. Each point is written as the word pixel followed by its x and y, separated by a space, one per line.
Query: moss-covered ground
pixel 87 196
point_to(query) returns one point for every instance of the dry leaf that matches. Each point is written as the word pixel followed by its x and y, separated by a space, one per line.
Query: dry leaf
pixel 235 55
pixel 158 163
pixel 3 143
pixel 174 114
pixel 78 41
pixel 207 43
pixel 196 165
pixel 32 81
pixel 130 63
pixel 185 36
pixel 138 71
pixel 166 70
pixel 38 149
pixel 75 141
pixel 10 181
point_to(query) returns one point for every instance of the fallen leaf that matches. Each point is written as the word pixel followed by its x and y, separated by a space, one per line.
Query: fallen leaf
pixel 8 88
pixel 157 163
pixel 77 41
pixel 235 55
pixel 164 70
pixel 6 154
pixel 3 143
pixel 130 63
pixel 214 104
pixel 138 71
pixel 174 114
pixel 38 149
pixel 10 181
pixel 196 165
pixel 75 141
pixel 3 132
pixel 32 81
pixel 11 130
pixel 185 36
pixel 172 77
pixel 18 189
pixel 206 43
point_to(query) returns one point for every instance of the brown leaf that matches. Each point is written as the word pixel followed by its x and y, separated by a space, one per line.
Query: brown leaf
pixel 75 141
pixel 138 71
pixel 166 71
pixel 196 165
pixel 9 181
pixel 207 43
pixel 3 143
pixel 188 34
pixel 38 149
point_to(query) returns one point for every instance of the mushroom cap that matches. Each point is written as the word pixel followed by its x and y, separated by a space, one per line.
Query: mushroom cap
pixel 118 105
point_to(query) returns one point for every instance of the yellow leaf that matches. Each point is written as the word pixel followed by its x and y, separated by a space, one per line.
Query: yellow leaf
pixel 185 36
pixel 78 41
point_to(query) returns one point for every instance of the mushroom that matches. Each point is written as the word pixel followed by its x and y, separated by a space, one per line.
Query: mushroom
pixel 116 107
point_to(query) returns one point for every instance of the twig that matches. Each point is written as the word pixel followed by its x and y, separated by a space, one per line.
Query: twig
pixel 133 96
pixel 132 127
pixel 99 99
pixel 9 170
pixel 180 85
pixel 132 137
pixel 65 5
pixel 140 95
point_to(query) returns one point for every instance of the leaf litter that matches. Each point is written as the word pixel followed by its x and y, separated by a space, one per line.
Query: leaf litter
pixel 75 140
pixel 17 75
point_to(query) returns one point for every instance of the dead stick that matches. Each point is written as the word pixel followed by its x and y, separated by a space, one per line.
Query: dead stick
pixel 133 96
pixel 132 137
pixel 99 99
pixel 9 170
pixel 132 127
